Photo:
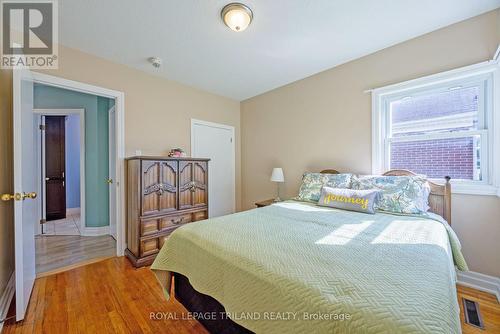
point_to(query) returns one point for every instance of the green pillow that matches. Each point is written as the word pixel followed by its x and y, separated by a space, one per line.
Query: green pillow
pixel 310 189
pixel 406 194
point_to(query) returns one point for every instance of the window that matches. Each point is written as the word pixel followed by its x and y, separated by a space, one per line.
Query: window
pixel 440 126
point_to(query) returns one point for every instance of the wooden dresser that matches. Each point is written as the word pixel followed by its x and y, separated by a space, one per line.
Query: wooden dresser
pixel 162 194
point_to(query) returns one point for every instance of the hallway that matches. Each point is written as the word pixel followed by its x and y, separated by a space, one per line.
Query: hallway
pixel 68 226
pixel 54 252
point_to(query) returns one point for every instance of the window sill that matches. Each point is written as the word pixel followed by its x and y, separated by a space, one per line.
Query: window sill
pixel 475 189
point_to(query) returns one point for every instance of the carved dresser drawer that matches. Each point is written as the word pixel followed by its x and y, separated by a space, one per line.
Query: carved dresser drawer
pixel 149 247
pixel 174 221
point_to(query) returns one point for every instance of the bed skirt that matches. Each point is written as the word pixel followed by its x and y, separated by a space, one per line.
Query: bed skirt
pixel 195 301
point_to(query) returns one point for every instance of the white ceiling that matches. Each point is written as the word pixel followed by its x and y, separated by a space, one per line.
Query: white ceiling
pixel 287 40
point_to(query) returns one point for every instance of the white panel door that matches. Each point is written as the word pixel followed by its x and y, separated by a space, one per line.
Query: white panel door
pixel 112 173
pixel 216 142
pixel 26 209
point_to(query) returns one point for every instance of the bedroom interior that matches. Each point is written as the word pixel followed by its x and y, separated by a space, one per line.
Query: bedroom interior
pixel 267 167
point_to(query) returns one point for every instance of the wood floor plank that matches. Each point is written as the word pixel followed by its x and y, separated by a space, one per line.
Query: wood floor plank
pixel 104 297
pixel 488 306
pixel 113 297
pixel 73 266
pixel 59 252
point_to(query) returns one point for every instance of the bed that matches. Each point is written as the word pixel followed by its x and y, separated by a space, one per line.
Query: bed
pixel 295 267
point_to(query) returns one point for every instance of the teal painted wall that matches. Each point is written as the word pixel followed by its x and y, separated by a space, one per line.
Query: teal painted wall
pixel 96 145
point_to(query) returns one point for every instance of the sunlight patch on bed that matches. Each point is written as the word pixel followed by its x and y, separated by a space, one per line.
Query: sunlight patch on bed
pixel 344 233
pixel 408 232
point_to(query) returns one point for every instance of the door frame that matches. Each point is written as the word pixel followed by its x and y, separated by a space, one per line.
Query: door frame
pixel 65 112
pixel 195 122
pixel 119 98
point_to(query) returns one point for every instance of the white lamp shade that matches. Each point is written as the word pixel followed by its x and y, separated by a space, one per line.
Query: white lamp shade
pixel 277 175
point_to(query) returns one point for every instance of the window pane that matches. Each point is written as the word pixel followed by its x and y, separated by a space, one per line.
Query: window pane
pixel 433 112
pixel 456 157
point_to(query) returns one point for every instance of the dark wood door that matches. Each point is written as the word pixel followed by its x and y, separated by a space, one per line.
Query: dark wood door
pixel 55 167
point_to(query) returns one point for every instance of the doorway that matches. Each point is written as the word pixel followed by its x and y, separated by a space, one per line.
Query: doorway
pixel 55 167
pixel 62 171
pixel 76 178
pixel 26 176
pixel 216 142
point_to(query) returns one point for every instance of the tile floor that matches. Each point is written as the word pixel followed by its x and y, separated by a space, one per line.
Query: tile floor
pixel 68 226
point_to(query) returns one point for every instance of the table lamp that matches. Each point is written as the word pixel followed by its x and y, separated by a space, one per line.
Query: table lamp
pixel 277 176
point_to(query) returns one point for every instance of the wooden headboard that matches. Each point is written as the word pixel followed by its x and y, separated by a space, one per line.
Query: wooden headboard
pixel 439 198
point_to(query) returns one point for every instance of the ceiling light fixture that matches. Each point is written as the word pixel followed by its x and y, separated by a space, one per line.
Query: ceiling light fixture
pixel 237 16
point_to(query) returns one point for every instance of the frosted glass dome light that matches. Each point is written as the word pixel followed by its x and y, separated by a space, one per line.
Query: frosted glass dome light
pixel 237 16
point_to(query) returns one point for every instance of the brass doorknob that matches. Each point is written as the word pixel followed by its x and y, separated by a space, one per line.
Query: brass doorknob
pixel 31 195
pixel 8 197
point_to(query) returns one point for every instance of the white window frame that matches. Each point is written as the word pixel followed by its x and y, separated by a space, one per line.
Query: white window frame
pixel 490 145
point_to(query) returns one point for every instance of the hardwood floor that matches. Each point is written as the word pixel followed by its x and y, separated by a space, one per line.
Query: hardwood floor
pixel 58 251
pixel 105 297
pixel 113 297
pixel 488 306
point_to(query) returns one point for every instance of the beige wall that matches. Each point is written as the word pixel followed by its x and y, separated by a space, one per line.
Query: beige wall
pixel 158 112
pixel 324 121
pixel 158 116
pixel 6 181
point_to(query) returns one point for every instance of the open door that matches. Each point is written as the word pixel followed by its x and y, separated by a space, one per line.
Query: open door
pixel 26 207
pixel 112 173
pixel 55 167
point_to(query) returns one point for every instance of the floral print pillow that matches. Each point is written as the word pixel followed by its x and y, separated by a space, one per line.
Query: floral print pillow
pixel 310 189
pixel 398 194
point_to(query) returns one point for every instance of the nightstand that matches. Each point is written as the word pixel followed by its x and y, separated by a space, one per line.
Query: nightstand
pixel 262 204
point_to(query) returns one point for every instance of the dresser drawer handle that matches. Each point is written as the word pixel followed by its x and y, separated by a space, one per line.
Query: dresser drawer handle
pixel 177 222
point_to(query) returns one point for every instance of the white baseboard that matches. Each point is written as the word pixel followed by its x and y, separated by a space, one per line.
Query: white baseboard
pixel 72 211
pixel 6 298
pixel 481 282
pixel 94 231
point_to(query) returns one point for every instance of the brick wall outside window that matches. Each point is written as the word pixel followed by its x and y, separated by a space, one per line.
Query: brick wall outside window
pixel 436 158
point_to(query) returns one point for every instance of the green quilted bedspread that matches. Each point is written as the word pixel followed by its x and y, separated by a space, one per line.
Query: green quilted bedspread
pixel 294 267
